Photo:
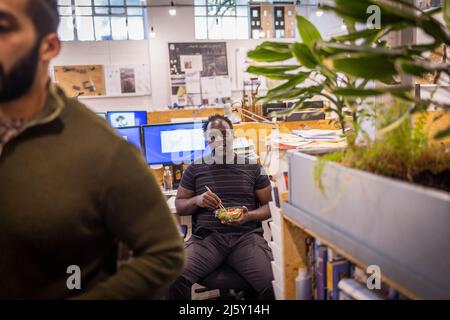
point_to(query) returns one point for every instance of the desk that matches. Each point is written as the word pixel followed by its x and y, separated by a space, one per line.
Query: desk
pixel 255 131
pixel 186 220
pixel 165 116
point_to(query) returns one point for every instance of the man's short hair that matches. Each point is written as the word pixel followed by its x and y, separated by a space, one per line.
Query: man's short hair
pixel 45 17
pixel 214 118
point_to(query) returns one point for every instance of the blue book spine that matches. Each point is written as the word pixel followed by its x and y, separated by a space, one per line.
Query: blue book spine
pixel 341 269
pixel 321 260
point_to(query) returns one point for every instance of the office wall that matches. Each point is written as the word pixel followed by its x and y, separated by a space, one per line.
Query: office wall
pixel 108 53
pixel 154 52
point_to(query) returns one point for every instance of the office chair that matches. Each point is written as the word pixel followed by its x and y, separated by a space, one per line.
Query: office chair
pixel 230 284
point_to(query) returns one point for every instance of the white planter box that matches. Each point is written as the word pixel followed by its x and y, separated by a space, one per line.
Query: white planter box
pixel 277 253
pixel 278 274
pixel 276 234
pixel 275 213
pixel 279 292
pixel 400 227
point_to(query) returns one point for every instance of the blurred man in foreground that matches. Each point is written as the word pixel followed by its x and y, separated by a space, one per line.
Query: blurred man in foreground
pixel 70 188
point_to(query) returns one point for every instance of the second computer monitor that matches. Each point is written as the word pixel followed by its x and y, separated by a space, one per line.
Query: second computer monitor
pixel 102 115
pixel 132 135
pixel 173 143
pixel 120 119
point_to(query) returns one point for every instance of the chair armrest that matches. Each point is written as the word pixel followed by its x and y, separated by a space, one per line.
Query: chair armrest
pixel 183 229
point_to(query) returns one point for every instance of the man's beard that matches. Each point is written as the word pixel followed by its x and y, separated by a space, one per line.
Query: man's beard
pixel 18 81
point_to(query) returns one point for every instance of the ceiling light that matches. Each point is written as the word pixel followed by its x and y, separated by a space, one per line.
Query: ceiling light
pixel 319 11
pixel 172 10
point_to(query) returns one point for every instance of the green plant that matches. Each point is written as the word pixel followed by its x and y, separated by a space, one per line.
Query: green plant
pixel 349 70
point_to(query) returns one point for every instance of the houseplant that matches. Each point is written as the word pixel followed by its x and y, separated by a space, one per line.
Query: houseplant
pixel 350 70
pixel 400 227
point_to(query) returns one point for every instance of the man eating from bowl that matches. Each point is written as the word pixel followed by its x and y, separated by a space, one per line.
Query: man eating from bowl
pixel 224 180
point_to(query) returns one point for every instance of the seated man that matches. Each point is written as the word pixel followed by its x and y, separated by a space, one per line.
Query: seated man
pixel 232 182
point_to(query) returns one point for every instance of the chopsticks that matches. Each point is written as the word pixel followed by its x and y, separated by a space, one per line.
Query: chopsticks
pixel 220 204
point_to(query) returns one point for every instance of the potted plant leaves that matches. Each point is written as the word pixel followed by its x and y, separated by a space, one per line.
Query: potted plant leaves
pixel 386 200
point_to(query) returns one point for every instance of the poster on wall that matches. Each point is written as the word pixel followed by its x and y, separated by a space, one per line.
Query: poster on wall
pixel 189 64
pixel 81 80
pixel 127 79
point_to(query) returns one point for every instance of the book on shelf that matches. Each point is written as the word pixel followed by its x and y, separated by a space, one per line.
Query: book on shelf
pixel 276 195
pixel 336 270
pixel 321 274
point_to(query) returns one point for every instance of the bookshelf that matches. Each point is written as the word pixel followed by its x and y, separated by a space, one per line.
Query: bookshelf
pixel 369 220
pixel 294 247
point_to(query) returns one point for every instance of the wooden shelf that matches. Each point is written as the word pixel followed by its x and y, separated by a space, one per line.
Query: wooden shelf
pixel 294 250
pixel 166 116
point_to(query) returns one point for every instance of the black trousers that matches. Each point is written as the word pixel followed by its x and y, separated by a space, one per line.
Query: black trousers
pixel 248 254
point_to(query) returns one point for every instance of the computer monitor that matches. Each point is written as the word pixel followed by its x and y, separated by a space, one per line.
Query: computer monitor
pixel 132 135
pixel 102 115
pixel 314 104
pixel 173 143
pixel 120 119
pixel 271 107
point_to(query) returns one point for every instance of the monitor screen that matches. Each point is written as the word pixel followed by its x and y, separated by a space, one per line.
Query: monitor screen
pixel 316 104
pixel 120 119
pixel 174 143
pixel 102 115
pixel 270 107
pixel 132 135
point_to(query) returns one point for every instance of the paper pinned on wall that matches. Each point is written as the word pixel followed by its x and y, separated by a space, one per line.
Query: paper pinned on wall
pixel 126 79
pixel 193 82
pixel 223 85
pixel 81 80
pixel 191 63
pixel 216 88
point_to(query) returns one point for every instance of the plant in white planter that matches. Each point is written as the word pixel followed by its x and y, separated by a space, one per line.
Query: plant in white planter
pixel 401 227
pixel 344 70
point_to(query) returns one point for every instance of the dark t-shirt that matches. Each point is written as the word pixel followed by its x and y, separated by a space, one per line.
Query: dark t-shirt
pixel 236 186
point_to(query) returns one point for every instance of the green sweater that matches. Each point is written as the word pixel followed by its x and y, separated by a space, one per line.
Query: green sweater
pixel 70 189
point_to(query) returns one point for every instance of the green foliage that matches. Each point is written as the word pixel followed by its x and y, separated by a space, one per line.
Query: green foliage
pixel 367 67
pixel 308 32
pixel 274 72
pixel 403 153
pixel 304 55
pixel 345 68
pixel 351 69
pixel 447 12
pixel 443 133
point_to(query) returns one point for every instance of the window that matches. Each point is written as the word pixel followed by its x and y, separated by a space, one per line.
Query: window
pixel 221 19
pixel 89 20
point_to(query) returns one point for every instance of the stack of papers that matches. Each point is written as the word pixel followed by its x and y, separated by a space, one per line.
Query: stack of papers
pixel 310 141
pixel 321 135
pixel 284 137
